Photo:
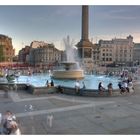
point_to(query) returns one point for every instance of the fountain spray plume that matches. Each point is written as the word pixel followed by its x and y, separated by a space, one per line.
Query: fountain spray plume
pixel 71 51
pixel 71 66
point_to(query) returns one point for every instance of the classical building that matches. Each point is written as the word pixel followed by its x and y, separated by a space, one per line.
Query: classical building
pixel 117 51
pixel 106 56
pixel 6 49
pixel 36 44
pixel 136 54
pixel 45 56
pixel 85 46
pixel 40 54
pixel 23 55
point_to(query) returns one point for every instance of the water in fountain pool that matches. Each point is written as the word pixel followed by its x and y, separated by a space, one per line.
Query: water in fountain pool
pixel 91 81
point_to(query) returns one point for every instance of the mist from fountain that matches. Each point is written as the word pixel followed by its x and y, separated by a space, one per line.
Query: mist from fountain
pixel 71 53
pixel 72 68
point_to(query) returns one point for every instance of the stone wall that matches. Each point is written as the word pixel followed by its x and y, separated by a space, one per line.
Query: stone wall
pixel 88 92
pixel 41 90
pixel 64 90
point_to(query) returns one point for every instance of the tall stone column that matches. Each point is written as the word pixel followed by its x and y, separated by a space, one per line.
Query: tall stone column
pixel 85 46
pixel 84 23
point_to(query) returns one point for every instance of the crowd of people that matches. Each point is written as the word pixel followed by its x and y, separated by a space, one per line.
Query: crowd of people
pixel 9 124
pixel 125 85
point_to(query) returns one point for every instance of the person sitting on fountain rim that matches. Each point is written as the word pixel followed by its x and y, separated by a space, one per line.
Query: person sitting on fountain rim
pixel 100 88
pixel 60 89
pixel 77 86
pixel 52 83
pixel 110 88
pixel 47 83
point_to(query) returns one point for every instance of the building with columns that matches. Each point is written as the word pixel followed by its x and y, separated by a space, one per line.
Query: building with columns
pixel 7 52
pixel 40 54
pixel 116 51
pixel 45 56
pixel 106 52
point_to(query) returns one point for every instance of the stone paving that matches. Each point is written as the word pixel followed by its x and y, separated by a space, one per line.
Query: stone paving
pixel 64 114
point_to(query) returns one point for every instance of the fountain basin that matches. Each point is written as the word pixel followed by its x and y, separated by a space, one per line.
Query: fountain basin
pixel 69 74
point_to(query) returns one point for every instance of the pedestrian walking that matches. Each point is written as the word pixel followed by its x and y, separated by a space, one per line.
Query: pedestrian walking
pixel 50 120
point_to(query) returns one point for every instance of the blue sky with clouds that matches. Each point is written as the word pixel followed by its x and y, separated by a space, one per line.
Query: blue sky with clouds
pixel 52 23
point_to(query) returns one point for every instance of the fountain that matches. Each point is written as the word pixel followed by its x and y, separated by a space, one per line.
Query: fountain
pixel 71 66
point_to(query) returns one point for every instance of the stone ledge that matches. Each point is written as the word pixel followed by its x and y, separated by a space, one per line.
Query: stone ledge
pixel 65 90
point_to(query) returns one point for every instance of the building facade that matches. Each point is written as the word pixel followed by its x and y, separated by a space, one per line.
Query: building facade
pixel 40 54
pixel 96 54
pixel 116 51
pixel 23 55
pixel 106 56
pixel 45 56
pixel 7 52
pixel 136 54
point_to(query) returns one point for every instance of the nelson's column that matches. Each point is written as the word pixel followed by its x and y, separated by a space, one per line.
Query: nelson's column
pixel 85 46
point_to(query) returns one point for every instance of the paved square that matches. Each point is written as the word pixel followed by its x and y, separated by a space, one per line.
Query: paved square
pixel 63 114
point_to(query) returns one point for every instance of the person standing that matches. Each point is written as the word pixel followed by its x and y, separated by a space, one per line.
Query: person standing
pixel 84 86
pixel 77 87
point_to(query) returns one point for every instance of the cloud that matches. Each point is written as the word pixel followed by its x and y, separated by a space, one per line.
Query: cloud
pixel 119 12
pixel 136 36
pixel 69 11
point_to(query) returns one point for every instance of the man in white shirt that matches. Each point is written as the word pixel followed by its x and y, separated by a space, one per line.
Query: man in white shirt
pixel 77 86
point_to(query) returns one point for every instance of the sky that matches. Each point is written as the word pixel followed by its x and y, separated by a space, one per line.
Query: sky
pixel 52 24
